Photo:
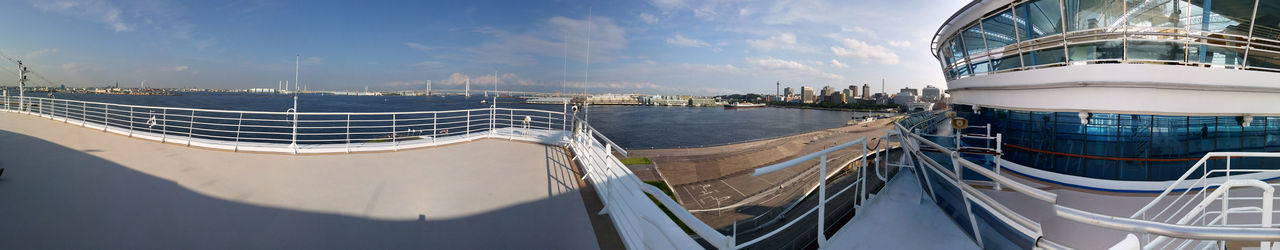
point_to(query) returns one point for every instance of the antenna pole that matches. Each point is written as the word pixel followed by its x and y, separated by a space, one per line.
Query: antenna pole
pixel 586 76
pixel 296 68
pixel 22 85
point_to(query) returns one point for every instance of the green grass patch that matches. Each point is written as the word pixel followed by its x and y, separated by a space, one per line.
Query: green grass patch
pixel 667 190
pixel 636 161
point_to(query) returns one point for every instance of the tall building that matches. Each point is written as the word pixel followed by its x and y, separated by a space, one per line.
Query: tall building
pixel 788 92
pixel 826 91
pixel 909 90
pixel 931 93
pixel 806 94
pixel 866 91
pixel 848 94
pixel 853 91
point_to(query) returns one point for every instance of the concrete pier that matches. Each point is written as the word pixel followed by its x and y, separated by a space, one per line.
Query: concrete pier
pixel 70 187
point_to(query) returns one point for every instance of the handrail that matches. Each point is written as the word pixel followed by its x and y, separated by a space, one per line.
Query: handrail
pixel 802 159
pixel 1193 169
pixel 1166 229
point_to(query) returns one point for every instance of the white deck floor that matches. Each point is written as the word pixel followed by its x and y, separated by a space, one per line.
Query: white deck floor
pixel 900 218
pixel 69 187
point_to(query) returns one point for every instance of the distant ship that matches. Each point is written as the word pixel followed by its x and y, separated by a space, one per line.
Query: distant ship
pixel 740 105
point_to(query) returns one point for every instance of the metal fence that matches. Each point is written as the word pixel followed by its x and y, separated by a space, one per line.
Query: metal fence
pixel 296 132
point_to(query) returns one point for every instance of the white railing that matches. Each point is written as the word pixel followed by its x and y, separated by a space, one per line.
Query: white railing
pixel 297 132
pixel 1211 189
pixel 1144 222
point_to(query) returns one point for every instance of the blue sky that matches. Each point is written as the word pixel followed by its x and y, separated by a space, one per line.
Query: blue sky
pixel 659 46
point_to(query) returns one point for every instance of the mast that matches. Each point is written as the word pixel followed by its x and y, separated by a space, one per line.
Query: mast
pixel 22 84
pixel 296 68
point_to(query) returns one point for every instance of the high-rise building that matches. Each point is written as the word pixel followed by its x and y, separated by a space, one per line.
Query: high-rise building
pixel 848 94
pixel 866 91
pixel 788 92
pixel 909 90
pixel 931 93
pixel 826 91
pixel 853 91
pixel 806 94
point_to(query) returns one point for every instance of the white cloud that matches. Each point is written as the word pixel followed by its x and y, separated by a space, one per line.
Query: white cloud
pixel 900 44
pixel 181 68
pixel 861 50
pixel 427 64
pixel 548 39
pixel 786 41
pixel 312 60
pixel 793 68
pixel 838 64
pixel 75 67
pixel 686 42
pixel 417 46
pixel 860 30
pixel 93 10
pixel 648 18
pixel 34 54
pixel 668 3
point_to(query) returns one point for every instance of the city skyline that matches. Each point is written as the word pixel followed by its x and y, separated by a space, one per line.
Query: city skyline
pixel 661 47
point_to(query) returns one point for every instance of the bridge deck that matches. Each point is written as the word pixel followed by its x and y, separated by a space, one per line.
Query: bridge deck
pixel 70 187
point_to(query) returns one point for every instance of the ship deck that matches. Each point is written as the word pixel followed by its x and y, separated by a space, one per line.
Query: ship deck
pixel 70 187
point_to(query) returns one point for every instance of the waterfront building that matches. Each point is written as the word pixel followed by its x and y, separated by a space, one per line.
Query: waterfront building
pixel 704 102
pixel 826 91
pixel 931 93
pixel 806 93
pixel 853 91
pixel 788 93
pixel 904 99
pixel 848 94
pixel 909 90
pixel 866 91
pixel 613 99
pixel 836 98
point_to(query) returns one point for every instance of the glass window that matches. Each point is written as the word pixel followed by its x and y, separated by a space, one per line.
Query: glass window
pixel 981 68
pixel 973 43
pixel 1264 57
pixel 1105 50
pixel 1008 62
pixel 957 51
pixel 1155 13
pixel 1039 18
pixel 999 30
pixel 1093 14
pixel 1156 50
pixel 1045 56
pixel 1267 24
pixel 1222 16
pixel 1216 54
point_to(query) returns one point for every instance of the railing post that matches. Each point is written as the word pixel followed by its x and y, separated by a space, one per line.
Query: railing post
pixel 468 130
pixel 822 201
pixel 434 125
pixel 84 114
pixel 106 113
pixel 999 155
pixel 191 125
pixel 131 121
pixel 164 125
pixel 239 122
pixel 955 166
pixel 348 146
pixel 394 144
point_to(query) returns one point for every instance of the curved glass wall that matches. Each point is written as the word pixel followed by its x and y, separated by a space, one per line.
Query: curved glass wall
pixel 1241 34
pixel 1124 146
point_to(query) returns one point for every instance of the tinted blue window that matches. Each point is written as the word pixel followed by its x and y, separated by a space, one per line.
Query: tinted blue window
pixel 999 30
pixel 1039 18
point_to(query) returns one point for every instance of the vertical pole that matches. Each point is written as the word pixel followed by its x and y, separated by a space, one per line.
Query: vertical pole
pixel 434 125
pixel 393 133
pixel 511 120
pixel 239 121
pixel 104 119
pixel 164 124
pixel 84 113
pixel 191 125
pixel 348 146
pixel 822 201
pixel 106 112
pixel 468 130
pixel 999 155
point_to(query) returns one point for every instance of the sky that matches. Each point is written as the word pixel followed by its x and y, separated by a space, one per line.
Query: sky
pixel 607 46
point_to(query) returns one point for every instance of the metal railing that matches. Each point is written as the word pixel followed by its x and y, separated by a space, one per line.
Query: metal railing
pixel 1152 224
pixel 1212 187
pixel 296 132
